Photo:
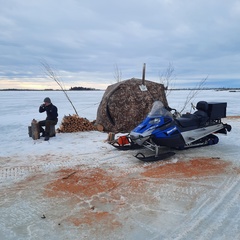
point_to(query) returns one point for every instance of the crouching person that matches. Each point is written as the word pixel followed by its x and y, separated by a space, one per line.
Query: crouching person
pixel 51 119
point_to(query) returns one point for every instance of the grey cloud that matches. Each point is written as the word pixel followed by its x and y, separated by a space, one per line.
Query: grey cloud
pixel 200 38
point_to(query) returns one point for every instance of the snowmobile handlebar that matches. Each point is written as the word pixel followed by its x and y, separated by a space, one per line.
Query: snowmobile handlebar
pixel 169 108
pixel 175 114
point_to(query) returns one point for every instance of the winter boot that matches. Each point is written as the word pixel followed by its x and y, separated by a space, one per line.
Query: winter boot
pixel 46 137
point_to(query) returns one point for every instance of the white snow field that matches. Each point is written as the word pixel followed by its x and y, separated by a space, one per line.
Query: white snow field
pixel 77 186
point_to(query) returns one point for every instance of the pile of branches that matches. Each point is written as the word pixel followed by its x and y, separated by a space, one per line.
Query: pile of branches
pixel 74 123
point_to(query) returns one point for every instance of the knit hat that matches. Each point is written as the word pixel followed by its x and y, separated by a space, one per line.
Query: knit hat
pixel 47 100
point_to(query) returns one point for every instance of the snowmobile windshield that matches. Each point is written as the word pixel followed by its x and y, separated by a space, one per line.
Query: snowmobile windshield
pixel 158 110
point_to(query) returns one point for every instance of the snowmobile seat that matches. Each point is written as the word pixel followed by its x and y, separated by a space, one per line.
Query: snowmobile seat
pixel 197 119
pixel 202 112
pixel 202 106
pixel 188 120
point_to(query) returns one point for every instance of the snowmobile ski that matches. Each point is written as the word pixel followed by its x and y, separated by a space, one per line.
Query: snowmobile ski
pixel 153 158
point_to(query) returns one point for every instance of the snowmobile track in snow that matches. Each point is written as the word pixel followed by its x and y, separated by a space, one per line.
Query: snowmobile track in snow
pixel 212 217
pixel 21 172
pixel 17 173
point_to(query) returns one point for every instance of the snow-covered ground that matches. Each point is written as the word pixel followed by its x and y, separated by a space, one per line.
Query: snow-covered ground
pixel 76 186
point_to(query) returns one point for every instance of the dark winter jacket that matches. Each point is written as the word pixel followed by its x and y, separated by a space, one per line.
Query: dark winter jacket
pixel 51 110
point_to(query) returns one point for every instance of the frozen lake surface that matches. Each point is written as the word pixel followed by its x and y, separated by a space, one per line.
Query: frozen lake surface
pixel 76 186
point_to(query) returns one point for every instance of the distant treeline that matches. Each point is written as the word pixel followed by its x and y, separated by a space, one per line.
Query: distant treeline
pixel 94 89
pixel 50 89
pixel 82 88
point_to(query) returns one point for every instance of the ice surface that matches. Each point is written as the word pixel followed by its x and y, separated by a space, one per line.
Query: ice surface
pixel 193 195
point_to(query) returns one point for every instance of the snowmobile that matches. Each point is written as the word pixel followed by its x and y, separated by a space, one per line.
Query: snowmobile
pixel 163 127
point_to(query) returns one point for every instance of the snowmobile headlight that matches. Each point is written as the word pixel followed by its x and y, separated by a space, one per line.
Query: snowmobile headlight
pixel 155 121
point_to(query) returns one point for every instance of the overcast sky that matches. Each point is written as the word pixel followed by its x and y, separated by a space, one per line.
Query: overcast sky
pixel 85 41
